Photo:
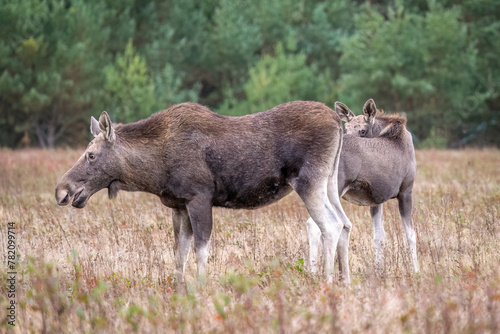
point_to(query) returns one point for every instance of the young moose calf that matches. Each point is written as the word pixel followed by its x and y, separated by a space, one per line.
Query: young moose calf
pixel 377 163
pixel 194 159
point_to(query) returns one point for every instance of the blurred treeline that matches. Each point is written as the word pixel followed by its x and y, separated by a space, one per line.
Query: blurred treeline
pixel 64 60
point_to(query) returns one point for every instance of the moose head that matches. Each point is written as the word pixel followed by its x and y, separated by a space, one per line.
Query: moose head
pixel 98 167
pixel 362 125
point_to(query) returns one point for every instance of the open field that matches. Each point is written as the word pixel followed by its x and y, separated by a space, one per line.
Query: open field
pixel 109 267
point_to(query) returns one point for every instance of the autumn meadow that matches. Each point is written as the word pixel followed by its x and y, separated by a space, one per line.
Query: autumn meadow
pixel 110 266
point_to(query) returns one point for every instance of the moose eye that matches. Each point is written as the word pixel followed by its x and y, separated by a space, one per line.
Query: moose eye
pixel 362 132
pixel 91 156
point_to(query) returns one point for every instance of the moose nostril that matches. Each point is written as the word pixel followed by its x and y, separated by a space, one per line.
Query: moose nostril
pixel 62 197
pixel 65 199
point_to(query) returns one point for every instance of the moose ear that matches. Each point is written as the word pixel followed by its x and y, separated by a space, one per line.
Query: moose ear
pixel 344 112
pixel 94 126
pixel 369 110
pixel 106 127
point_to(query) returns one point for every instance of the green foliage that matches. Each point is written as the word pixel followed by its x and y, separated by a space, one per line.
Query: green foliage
pixel 321 37
pixel 46 79
pixel 434 141
pixel 238 282
pixel 168 88
pixel 422 64
pixel 279 79
pixel 236 37
pixel 299 266
pixel 133 93
pixel 130 89
pixel 61 61
pixel 484 27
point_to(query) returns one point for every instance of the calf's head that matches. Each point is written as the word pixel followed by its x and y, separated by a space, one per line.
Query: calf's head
pixel 362 125
pixel 96 169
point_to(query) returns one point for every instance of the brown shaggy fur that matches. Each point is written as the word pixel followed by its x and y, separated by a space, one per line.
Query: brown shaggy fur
pixel 394 125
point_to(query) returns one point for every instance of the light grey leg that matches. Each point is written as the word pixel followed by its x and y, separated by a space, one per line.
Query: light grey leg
pixel 405 209
pixel 183 234
pixel 330 225
pixel 378 232
pixel 314 238
pixel 343 244
pixel 343 250
pixel 200 214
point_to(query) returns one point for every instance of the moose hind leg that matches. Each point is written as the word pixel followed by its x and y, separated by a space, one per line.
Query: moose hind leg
pixel 183 234
pixel 200 214
pixel 405 210
pixel 343 251
pixel 343 244
pixel 329 223
pixel 314 238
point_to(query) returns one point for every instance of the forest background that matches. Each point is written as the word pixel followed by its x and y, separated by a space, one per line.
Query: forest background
pixel 62 61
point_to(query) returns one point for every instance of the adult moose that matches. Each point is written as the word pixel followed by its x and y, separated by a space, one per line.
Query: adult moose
pixel 194 159
pixel 377 163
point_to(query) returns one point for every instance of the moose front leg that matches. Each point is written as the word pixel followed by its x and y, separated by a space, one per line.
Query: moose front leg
pixel 183 234
pixel 376 213
pixel 200 214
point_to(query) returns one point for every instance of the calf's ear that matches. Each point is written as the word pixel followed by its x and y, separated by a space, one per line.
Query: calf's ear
pixel 344 112
pixel 369 110
pixel 94 126
pixel 106 127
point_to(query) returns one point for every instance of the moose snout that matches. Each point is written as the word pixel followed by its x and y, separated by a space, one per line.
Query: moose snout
pixel 67 191
pixel 62 196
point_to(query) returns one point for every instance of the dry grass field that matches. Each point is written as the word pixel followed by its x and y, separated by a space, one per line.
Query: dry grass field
pixel 109 267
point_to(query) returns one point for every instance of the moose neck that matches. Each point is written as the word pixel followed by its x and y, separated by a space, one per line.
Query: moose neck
pixel 139 159
pixel 379 125
pixel 389 126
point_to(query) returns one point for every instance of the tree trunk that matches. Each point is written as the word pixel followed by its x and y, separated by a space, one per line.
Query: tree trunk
pixel 40 136
pixel 51 129
pixel 45 133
